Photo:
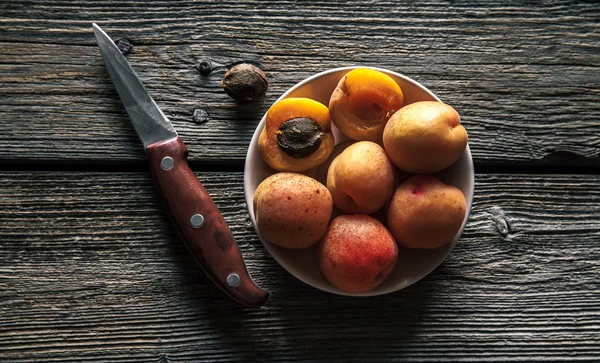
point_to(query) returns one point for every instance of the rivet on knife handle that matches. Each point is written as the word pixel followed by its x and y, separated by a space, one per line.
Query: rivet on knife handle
pixel 199 223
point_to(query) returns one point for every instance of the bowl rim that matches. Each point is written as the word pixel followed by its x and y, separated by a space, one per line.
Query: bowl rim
pixel 331 289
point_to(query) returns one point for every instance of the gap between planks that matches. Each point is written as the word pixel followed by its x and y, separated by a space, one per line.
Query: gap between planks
pixel 235 166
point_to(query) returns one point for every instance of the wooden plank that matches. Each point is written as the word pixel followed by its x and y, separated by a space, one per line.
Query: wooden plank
pixel 524 77
pixel 90 271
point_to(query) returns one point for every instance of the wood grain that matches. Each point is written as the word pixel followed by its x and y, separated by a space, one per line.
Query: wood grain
pixel 524 76
pixel 90 272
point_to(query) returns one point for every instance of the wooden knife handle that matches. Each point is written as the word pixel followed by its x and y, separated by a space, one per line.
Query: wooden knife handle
pixel 199 223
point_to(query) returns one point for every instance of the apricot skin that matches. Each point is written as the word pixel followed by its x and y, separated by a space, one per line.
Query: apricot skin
pixel 424 137
pixel 292 210
pixel 361 178
pixel 362 103
pixel 357 253
pixel 425 213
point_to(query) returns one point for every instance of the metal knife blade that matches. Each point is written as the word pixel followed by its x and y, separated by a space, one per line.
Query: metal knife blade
pixel 149 121
pixel 190 208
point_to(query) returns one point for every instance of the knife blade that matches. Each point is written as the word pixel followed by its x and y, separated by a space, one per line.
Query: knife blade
pixel 190 208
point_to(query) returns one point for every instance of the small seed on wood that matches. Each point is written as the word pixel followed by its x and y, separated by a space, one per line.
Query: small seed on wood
pixel 245 83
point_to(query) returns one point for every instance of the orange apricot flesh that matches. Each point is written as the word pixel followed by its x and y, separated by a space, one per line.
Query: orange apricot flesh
pixel 363 102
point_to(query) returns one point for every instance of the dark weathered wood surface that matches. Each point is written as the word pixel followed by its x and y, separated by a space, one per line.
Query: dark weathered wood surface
pixel 524 76
pixel 90 271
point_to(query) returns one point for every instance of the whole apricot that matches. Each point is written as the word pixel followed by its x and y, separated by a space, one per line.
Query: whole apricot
pixel 361 178
pixel 424 137
pixel 363 102
pixel 297 135
pixel 425 213
pixel 357 253
pixel 292 210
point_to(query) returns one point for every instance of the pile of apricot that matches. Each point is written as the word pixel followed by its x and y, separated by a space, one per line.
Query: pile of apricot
pixel 372 193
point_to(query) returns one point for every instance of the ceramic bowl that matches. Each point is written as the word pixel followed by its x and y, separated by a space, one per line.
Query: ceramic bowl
pixel 413 264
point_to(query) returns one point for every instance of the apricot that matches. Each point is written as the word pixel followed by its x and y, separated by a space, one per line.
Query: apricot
pixel 292 210
pixel 297 135
pixel 357 253
pixel 363 102
pixel 425 213
pixel 424 137
pixel 361 178
pixel 324 168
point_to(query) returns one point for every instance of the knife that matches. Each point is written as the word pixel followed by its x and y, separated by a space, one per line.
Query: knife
pixel 188 205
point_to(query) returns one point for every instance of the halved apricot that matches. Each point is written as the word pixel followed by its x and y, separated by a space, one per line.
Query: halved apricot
pixel 297 135
pixel 363 102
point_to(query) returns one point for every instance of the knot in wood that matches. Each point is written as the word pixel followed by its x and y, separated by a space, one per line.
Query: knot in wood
pixel 204 67
pixel 124 46
pixel 502 225
pixel 200 116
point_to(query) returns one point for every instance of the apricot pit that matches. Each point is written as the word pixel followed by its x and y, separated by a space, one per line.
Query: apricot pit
pixel 299 137
pixel 245 83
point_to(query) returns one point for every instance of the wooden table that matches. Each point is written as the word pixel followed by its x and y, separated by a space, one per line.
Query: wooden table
pixel 91 271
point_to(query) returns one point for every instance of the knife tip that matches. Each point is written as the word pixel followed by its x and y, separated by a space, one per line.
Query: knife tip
pixel 98 32
pixel 96 28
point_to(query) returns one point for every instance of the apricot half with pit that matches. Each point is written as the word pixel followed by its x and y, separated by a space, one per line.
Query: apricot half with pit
pixel 297 135
pixel 363 102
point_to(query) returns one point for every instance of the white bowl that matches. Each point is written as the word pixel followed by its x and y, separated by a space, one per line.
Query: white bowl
pixel 413 264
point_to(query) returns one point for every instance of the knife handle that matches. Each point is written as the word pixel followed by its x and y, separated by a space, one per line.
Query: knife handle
pixel 199 223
